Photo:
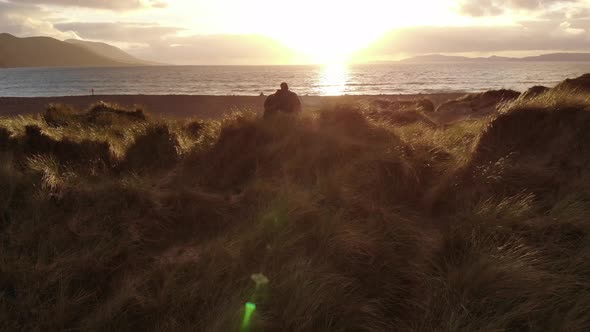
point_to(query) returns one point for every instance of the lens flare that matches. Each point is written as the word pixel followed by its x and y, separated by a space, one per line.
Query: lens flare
pixel 249 309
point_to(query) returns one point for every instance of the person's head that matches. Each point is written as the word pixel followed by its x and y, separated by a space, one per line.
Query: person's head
pixel 284 86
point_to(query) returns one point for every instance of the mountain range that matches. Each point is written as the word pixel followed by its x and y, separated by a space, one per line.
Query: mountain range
pixel 50 52
pixel 553 57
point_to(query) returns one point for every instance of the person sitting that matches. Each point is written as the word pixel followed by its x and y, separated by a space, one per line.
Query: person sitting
pixel 283 100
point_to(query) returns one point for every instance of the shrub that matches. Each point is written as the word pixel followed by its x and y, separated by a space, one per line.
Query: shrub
pixel 194 128
pixel 535 91
pixel 59 115
pixel 157 149
pixel 84 153
pixel 578 85
pixel 421 105
pixel 4 138
pixel 104 114
pixel 537 150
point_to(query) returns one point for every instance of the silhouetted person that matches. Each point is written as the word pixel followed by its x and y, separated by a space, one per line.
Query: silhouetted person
pixel 283 100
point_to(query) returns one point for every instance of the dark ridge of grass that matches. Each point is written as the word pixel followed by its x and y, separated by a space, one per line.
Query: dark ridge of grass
pixel 402 117
pixel 486 102
pixel 402 113
pixel 491 96
pixel 102 108
pixel 4 138
pixel 158 141
pixel 578 85
pixel 529 148
pixel 534 91
pixel 57 115
pixel 339 144
pixel 99 114
pixel 83 154
pixel 358 224
pixel 423 105
pixel 194 128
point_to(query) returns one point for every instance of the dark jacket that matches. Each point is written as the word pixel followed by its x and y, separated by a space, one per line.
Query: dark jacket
pixel 282 101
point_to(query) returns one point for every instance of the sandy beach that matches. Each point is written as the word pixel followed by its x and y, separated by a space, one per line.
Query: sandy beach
pixel 205 107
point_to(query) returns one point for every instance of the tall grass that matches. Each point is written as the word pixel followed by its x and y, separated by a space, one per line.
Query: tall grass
pixel 359 224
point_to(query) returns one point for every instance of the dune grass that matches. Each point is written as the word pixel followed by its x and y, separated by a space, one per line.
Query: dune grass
pixel 126 222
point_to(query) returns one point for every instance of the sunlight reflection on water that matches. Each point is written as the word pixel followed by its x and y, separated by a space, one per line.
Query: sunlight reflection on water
pixel 333 79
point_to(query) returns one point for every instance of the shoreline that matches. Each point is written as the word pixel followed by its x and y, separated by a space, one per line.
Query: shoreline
pixel 199 106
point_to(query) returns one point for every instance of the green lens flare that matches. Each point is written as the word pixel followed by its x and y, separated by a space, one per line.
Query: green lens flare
pixel 248 311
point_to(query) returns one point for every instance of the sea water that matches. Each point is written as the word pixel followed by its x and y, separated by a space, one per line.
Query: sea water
pixel 394 78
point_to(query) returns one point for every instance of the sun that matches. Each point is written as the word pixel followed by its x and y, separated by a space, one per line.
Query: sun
pixel 333 44
pixel 328 47
pixel 330 31
pixel 329 34
pixel 319 31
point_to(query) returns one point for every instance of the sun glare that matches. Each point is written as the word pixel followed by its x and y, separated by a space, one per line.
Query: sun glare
pixel 329 32
pixel 321 32
pixel 333 79
pixel 333 43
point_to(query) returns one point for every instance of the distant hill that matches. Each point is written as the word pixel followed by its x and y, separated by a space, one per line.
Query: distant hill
pixel 109 51
pixel 439 58
pixel 553 57
pixel 50 52
pixel 574 57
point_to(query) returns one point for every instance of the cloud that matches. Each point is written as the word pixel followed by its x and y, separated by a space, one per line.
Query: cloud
pixel 566 27
pixel 568 13
pixel 158 4
pixel 221 50
pixel 159 43
pixel 116 5
pixel 571 35
pixel 120 31
pixel 498 7
pixel 28 20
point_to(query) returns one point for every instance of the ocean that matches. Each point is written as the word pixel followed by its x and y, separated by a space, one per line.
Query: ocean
pixel 395 78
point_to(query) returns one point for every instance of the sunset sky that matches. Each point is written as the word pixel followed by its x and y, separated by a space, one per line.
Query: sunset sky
pixel 306 31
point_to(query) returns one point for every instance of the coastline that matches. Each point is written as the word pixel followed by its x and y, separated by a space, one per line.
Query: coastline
pixel 198 106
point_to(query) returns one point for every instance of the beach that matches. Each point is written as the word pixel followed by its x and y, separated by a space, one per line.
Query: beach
pixel 198 106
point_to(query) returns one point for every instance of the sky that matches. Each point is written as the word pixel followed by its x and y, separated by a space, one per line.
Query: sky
pixel 257 32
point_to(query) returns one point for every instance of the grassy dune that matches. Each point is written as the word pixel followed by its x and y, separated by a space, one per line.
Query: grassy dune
pixel 113 220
